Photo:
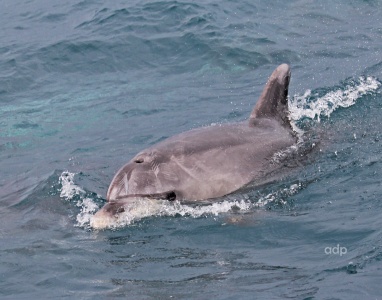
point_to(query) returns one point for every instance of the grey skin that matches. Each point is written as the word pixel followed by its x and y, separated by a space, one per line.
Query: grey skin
pixel 208 162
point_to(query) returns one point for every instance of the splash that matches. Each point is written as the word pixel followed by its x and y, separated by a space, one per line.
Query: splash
pixel 138 209
pixel 72 192
pixel 88 208
pixel 68 188
pixel 279 195
pixel 314 107
pixel 142 207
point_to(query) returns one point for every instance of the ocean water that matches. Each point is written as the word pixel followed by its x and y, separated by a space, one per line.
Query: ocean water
pixel 85 85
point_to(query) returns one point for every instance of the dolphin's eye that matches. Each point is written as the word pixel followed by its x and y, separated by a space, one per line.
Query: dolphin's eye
pixel 120 209
pixel 138 160
pixel 171 196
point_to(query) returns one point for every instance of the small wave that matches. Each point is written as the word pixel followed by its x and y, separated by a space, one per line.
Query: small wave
pixel 142 208
pixel 70 191
pixel 314 106
pixel 279 196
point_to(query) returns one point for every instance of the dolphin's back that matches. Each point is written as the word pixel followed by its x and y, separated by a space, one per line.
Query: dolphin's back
pixel 214 161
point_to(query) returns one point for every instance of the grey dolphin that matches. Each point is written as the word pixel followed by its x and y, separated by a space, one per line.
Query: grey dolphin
pixel 207 162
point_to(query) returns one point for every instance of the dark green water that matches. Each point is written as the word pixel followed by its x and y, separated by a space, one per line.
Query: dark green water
pixel 85 85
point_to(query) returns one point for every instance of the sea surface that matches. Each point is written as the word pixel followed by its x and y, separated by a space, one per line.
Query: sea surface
pixel 85 85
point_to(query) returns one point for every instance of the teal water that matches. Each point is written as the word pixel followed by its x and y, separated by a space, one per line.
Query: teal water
pixel 85 85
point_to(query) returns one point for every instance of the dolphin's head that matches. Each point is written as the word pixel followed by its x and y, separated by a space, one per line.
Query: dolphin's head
pixel 147 174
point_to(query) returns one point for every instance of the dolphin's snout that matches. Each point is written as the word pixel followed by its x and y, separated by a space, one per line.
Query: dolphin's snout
pixel 123 212
pixel 107 215
pixel 101 220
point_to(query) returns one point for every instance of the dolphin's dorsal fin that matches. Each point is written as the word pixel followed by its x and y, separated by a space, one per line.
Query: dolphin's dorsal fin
pixel 273 102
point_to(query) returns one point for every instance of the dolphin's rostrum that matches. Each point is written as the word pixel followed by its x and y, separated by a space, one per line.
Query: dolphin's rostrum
pixel 207 162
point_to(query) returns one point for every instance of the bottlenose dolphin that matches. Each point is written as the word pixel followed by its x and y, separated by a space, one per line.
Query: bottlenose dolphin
pixel 207 162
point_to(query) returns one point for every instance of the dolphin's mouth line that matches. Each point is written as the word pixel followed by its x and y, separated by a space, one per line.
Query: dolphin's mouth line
pixel 170 196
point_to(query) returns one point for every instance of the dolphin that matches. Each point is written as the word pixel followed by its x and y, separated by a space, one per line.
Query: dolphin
pixel 207 162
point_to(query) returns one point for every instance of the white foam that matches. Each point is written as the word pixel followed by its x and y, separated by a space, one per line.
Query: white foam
pixel 70 191
pixel 278 195
pixel 68 188
pixel 88 208
pixel 203 210
pixel 304 106
pixel 142 207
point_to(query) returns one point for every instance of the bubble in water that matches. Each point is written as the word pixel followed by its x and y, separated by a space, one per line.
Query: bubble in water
pixel 351 268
